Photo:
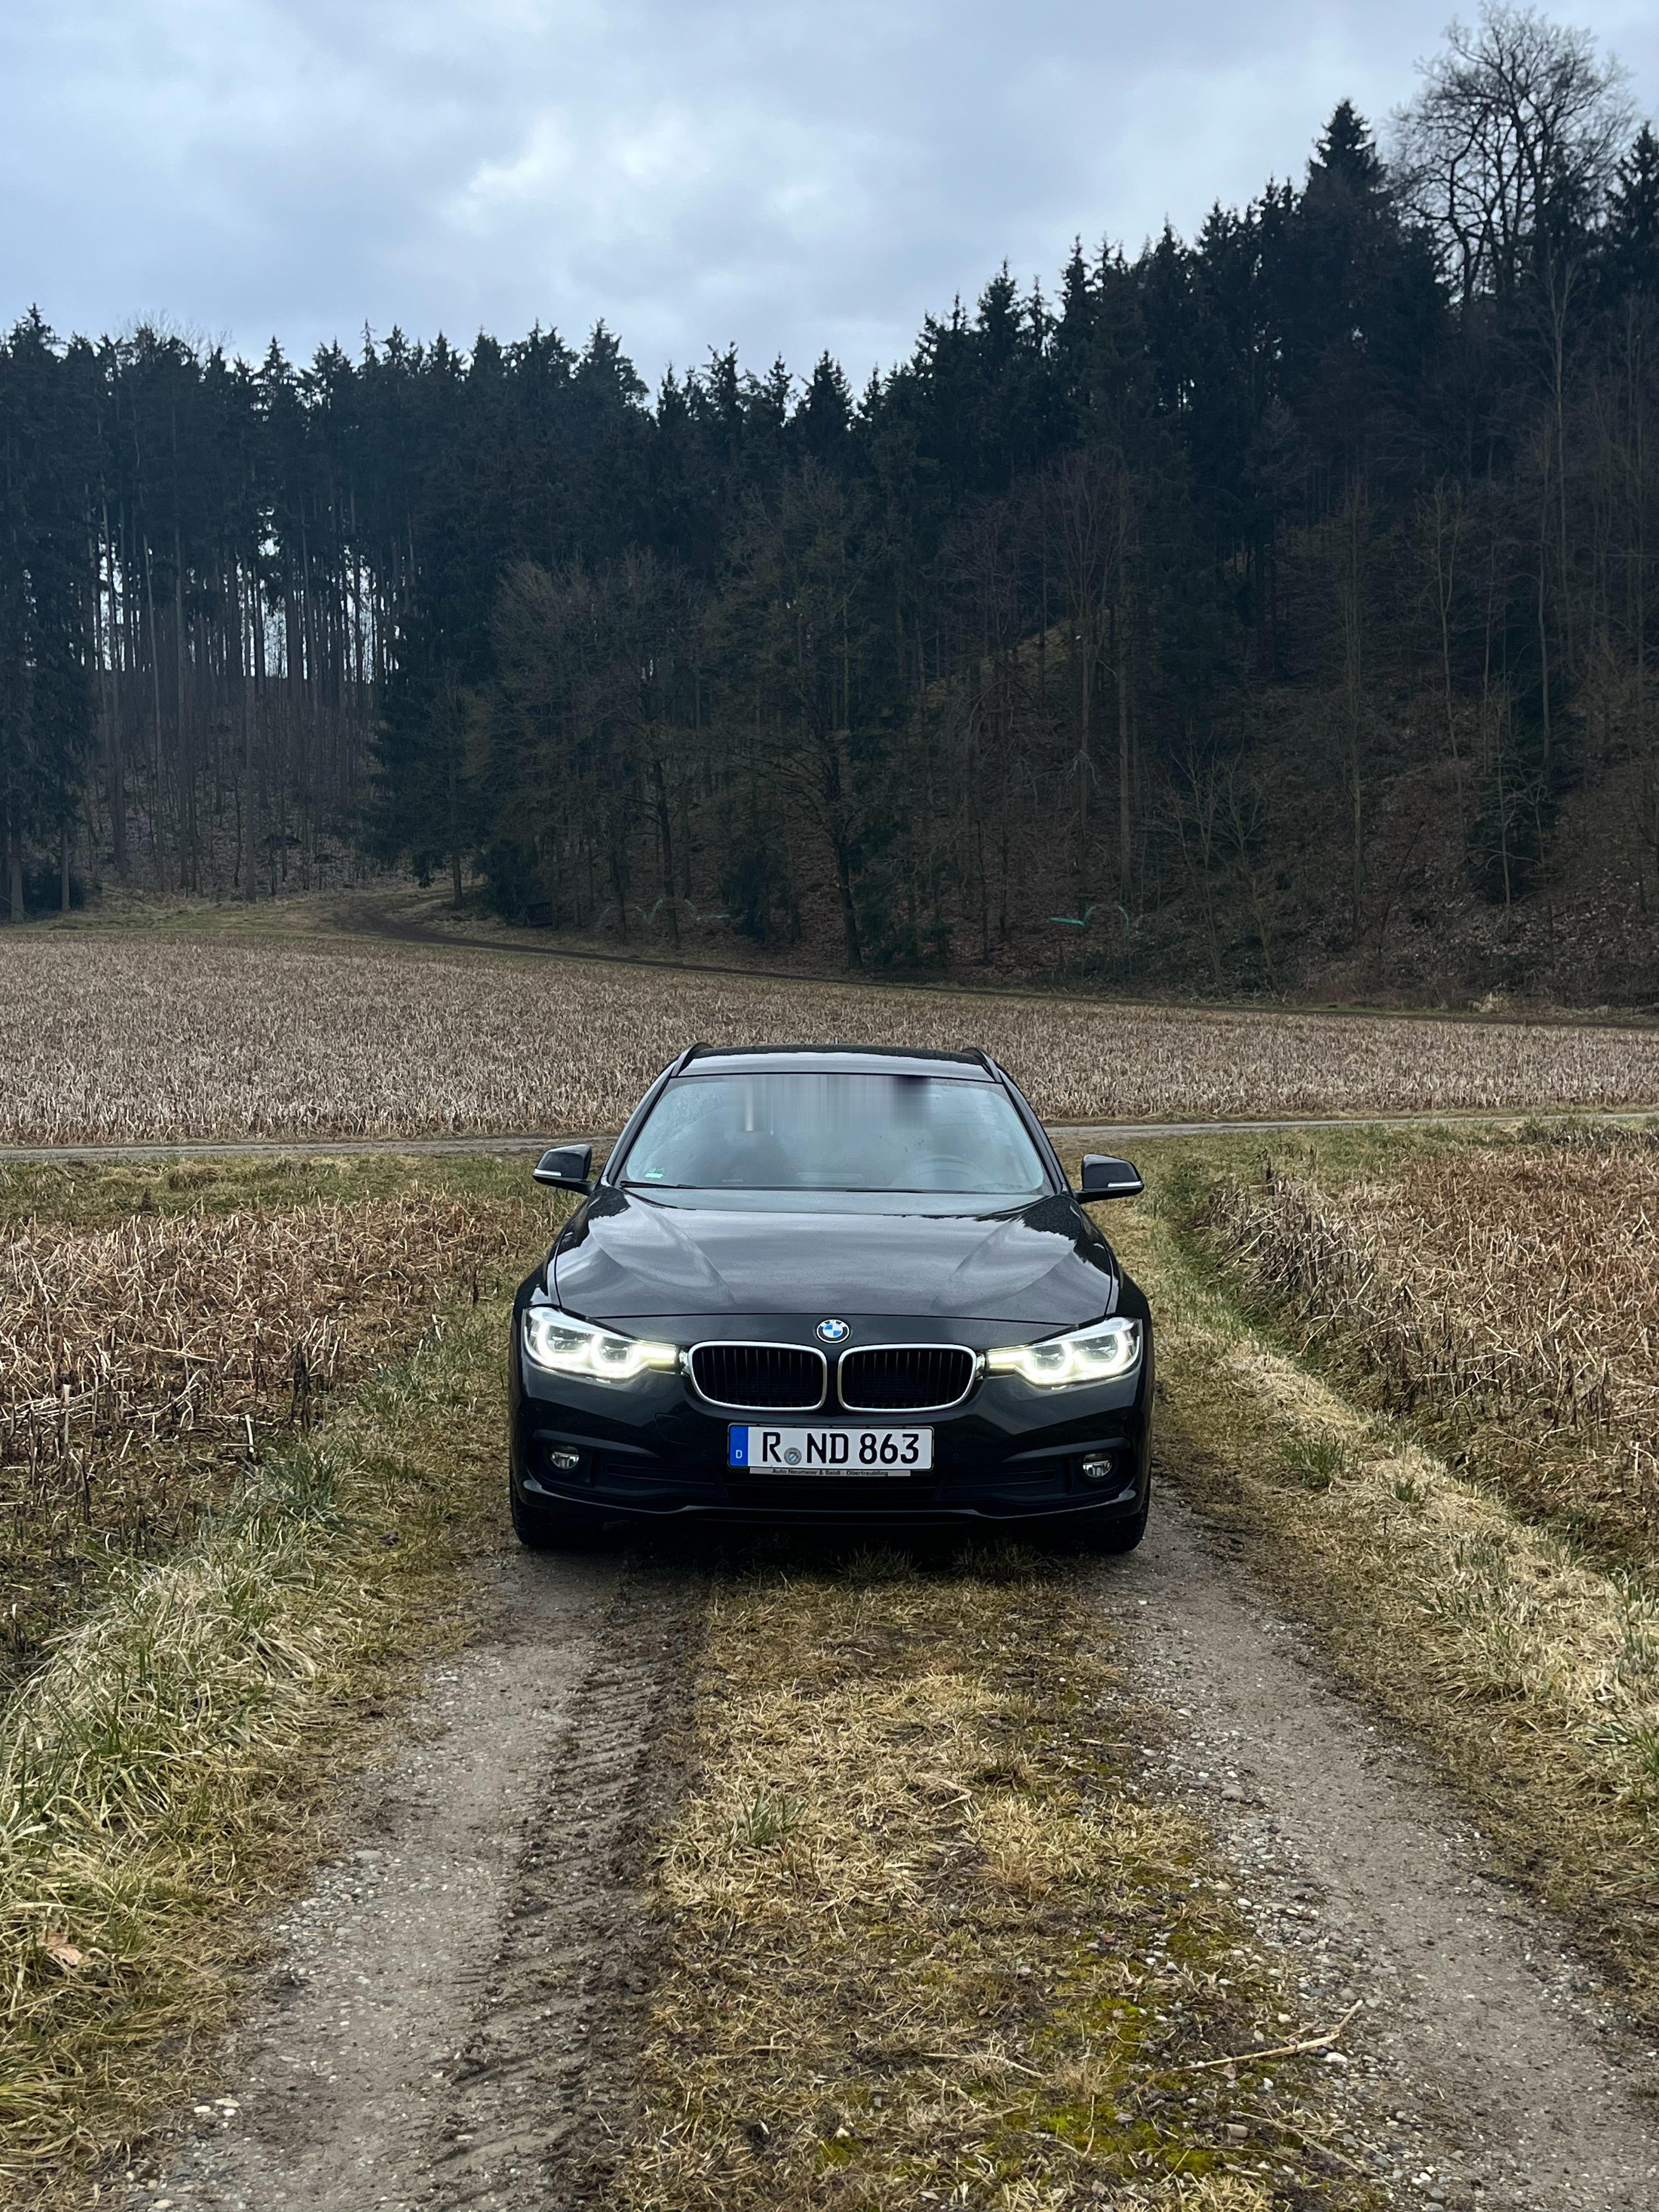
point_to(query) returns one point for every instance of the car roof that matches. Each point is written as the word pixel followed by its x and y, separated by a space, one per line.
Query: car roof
pixel 836 1059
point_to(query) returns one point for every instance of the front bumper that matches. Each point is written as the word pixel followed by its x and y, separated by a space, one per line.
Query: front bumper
pixel 653 1450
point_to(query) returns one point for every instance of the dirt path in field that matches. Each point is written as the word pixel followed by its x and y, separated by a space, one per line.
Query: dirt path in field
pixel 452 2015
pixel 1484 2069
pixel 1067 1135
pixel 468 1977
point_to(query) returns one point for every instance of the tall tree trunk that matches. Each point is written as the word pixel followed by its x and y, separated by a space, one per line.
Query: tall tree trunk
pixel 665 847
pixel 1543 602
pixel 849 917
pixel 153 645
pixel 1445 580
pixel 1351 598
pixel 1122 622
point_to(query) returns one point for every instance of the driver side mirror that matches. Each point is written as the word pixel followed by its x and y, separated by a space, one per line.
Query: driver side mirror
pixel 570 1167
pixel 1105 1177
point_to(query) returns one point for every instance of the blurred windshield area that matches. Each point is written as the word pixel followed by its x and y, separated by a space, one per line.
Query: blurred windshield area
pixel 833 1132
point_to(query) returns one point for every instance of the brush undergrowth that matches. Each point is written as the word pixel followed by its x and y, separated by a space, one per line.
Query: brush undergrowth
pixel 1504 1298
pixel 159 1331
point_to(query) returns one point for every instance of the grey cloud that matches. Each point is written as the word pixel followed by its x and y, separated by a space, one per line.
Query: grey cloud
pixel 784 176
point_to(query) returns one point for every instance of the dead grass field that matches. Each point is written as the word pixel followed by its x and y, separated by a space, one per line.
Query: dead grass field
pixel 147 1361
pixel 932 1944
pixel 121 1038
pixel 1504 1298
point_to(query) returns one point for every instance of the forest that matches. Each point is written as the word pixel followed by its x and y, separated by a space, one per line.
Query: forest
pixel 1274 611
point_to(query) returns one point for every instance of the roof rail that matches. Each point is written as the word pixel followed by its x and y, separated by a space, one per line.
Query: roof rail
pixel 688 1056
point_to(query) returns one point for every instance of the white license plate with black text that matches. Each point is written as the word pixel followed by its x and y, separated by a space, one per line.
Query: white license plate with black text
pixel 829 1451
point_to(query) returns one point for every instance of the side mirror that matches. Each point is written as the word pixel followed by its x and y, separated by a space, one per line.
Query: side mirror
pixel 570 1167
pixel 1104 1177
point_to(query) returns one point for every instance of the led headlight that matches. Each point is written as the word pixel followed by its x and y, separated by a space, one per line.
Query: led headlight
pixel 1100 1354
pixel 564 1345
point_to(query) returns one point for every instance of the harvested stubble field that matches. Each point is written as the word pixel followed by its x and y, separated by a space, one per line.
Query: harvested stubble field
pixel 108 1038
pixel 147 1361
pixel 1505 1298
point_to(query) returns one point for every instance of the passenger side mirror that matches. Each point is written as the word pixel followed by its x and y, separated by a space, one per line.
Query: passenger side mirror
pixel 1105 1177
pixel 570 1167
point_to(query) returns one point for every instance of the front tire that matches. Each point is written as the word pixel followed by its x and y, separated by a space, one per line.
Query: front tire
pixel 1111 1539
pixel 550 1528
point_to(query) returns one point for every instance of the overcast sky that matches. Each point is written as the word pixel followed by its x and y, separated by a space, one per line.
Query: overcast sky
pixel 788 177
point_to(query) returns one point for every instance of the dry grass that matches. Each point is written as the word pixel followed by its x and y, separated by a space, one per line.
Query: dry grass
pixel 1505 1299
pixel 930 1944
pixel 117 1037
pixel 1531 1671
pixel 164 1771
pixel 145 1365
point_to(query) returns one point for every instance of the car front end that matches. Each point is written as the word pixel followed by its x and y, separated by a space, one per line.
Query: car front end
pixel 897 1420
pixel 827 1284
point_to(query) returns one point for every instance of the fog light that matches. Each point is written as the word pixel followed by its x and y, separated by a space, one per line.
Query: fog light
pixel 1099 1467
pixel 564 1462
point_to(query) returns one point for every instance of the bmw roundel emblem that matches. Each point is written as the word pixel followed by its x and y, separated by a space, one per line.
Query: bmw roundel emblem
pixel 834 1332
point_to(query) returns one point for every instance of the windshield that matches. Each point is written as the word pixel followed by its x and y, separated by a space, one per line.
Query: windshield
pixel 833 1132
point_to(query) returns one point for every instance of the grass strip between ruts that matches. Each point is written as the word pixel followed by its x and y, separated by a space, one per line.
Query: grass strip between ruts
pixel 931 1942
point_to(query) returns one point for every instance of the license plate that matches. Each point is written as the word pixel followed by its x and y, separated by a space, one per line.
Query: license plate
pixel 829 1451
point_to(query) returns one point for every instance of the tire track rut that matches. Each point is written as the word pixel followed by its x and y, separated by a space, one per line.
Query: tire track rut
pixel 542 2098
pixel 452 2010
pixel 1489 2072
pixel 455 2022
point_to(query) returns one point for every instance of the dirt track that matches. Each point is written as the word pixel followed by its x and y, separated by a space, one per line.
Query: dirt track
pixel 463 1982
pixel 1510 2080
pixel 451 2015
pixel 1067 1135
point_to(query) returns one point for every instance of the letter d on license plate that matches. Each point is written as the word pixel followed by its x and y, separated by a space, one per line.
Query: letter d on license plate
pixel 829 1451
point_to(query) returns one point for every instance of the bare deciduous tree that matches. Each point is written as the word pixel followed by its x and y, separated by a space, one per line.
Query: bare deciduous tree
pixel 1517 129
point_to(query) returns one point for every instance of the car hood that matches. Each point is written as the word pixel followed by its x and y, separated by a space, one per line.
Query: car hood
pixel 627 1258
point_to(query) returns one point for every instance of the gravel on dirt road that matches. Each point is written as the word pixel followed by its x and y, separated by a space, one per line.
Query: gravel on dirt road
pixel 1068 1136
pixel 466 1974
pixel 1484 2067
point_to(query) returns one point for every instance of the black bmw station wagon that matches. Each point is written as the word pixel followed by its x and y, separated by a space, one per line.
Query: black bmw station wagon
pixel 831 1285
